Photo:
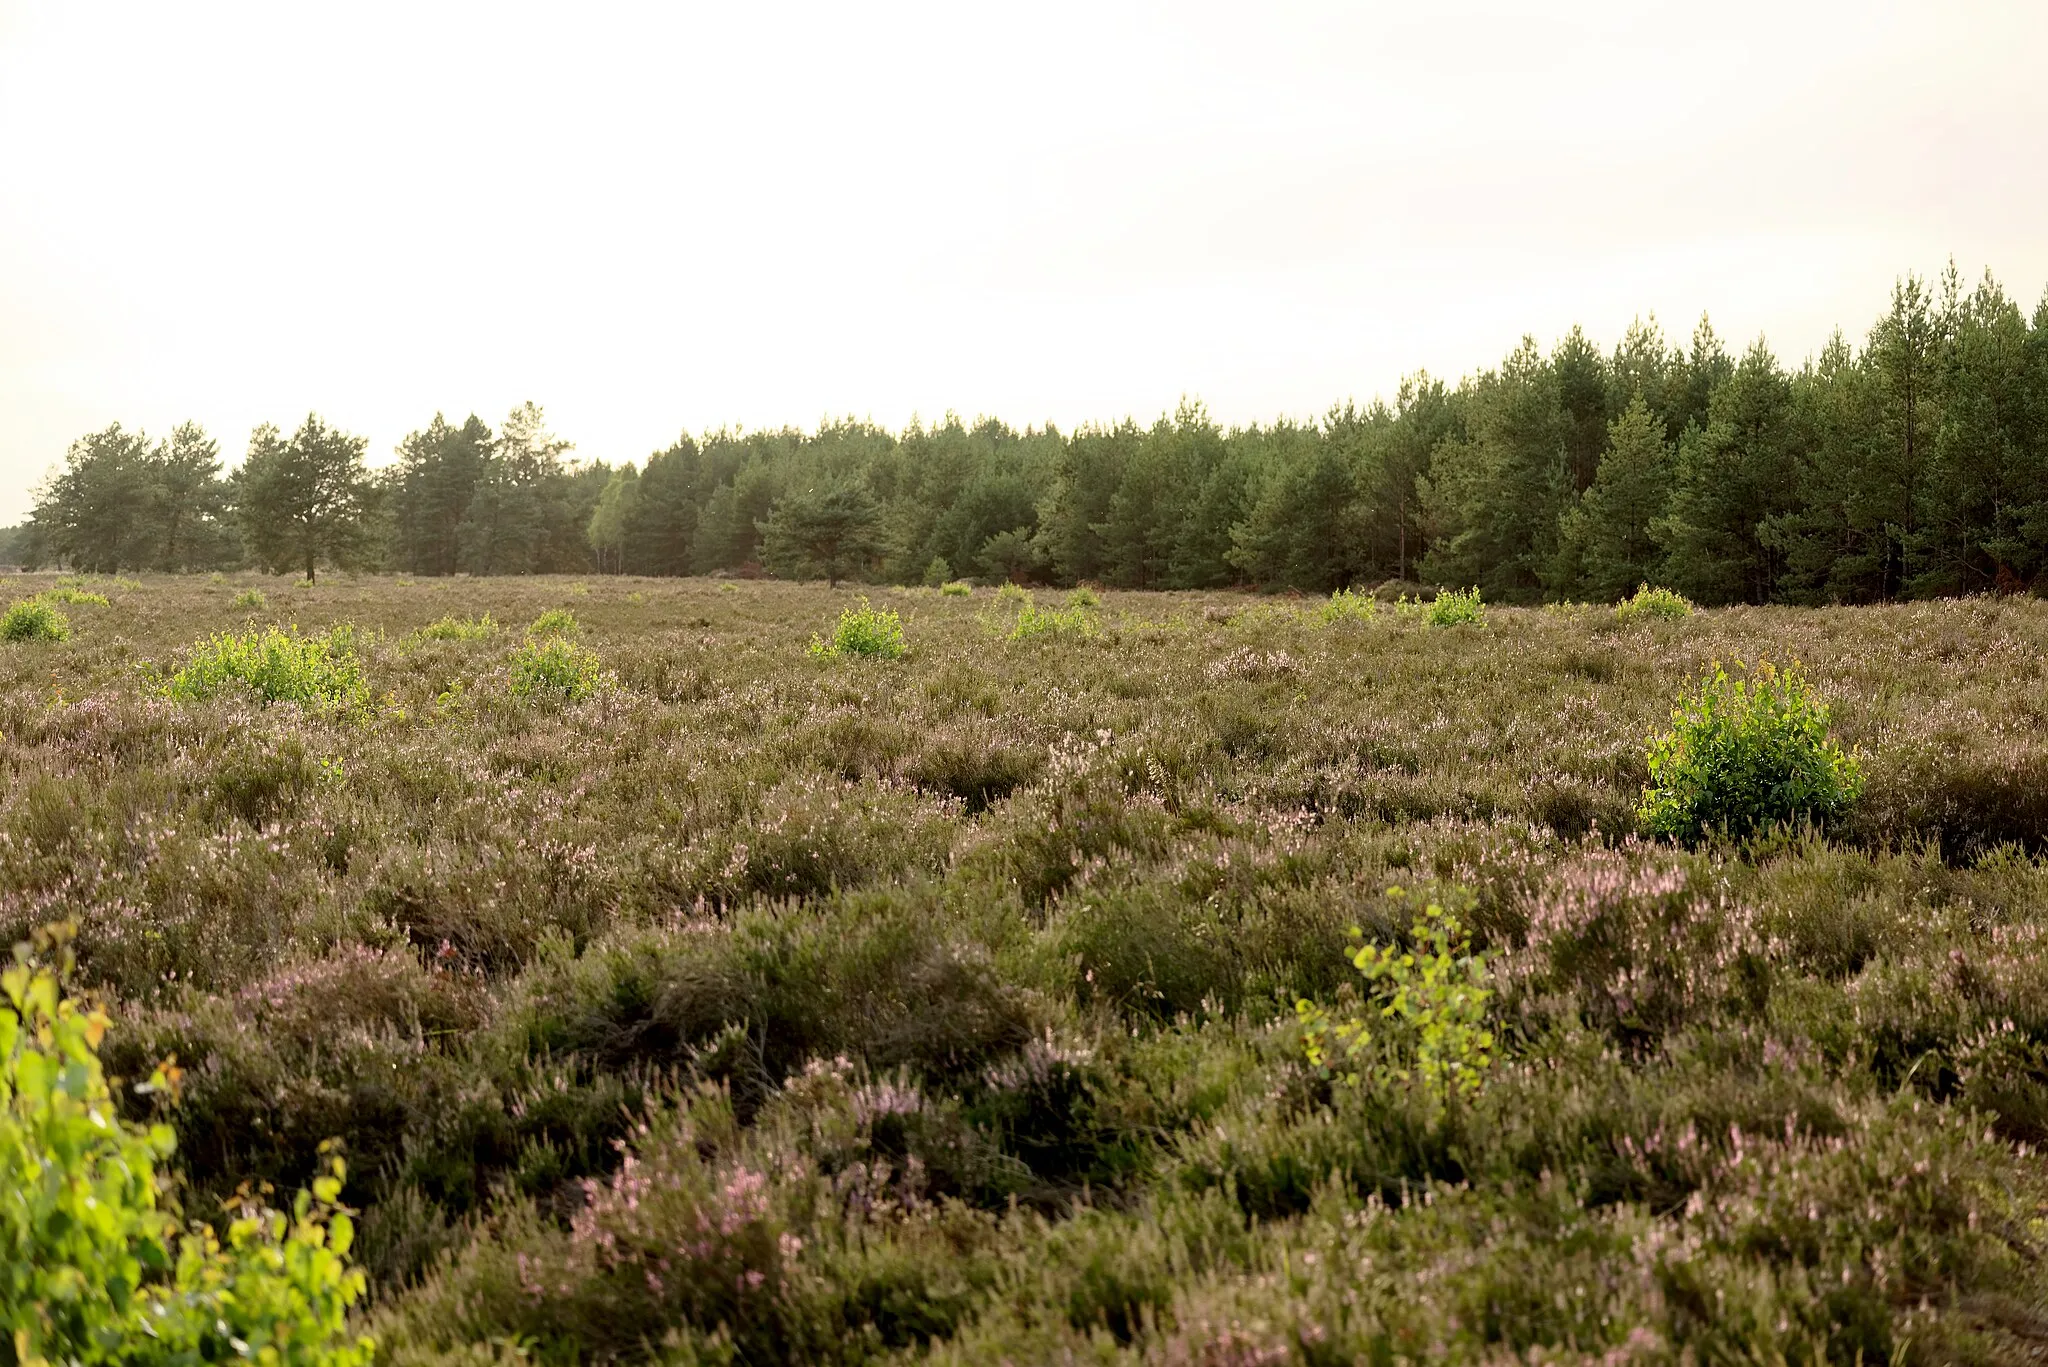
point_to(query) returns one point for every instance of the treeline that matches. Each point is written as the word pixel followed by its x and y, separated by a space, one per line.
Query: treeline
pixel 1915 464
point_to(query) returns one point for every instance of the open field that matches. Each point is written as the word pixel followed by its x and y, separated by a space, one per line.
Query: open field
pixel 764 1007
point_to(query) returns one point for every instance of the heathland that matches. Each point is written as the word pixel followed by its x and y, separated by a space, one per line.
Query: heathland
pixel 681 989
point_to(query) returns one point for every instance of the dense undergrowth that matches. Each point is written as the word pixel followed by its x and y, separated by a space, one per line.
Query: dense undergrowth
pixel 760 1007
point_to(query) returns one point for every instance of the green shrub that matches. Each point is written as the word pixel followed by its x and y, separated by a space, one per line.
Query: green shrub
pixel 64 593
pixel 556 666
pixel 96 1268
pixel 937 573
pixel 1457 608
pixel 1036 621
pixel 1747 754
pixel 864 631
pixel 465 628
pixel 278 665
pixel 30 620
pixel 555 622
pixel 251 599
pixel 957 588
pixel 1433 999
pixel 1083 597
pixel 1013 593
pixel 1347 606
pixel 1659 605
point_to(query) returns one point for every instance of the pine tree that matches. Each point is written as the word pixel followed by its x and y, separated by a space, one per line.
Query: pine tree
pixel 303 501
pixel 1610 527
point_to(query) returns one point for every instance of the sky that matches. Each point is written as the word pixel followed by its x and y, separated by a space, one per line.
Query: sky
pixel 652 218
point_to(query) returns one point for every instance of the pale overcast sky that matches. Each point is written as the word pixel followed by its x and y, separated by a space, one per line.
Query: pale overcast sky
pixel 656 217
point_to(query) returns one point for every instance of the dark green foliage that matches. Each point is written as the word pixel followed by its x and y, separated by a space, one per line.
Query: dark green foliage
pixel 829 534
pixel 304 501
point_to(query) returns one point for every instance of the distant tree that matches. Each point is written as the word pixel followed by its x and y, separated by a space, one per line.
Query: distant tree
pixel 96 513
pixel 607 527
pixel 431 488
pixel 188 502
pixel 303 500
pixel 1609 530
pixel 830 534
pixel 505 528
pixel 1493 498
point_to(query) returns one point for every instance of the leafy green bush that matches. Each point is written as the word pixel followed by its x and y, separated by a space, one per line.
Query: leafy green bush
pixel 64 593
pixel 1747 754
pixel 1346 606
pixel 1659 605
pixel 278 665
pixel 466 628
pixel 251 599
pixel 1433 999
pixel 1035 621
pixel 1013 593
pixel 937 573
pixel 1457 608
pixel 93 1266
pixel 556 666
pixel 1083 597
pixel 30 620
pixel 555 622
pixel 864 631
pixel 957 588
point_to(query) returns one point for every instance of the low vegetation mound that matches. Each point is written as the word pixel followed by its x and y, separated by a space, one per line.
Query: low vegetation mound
pixel 1745 754
pixel 1456 608
pixel 1652 605
pixel 864 630
pixel 277 664
pixel 555 667
pixel 34 620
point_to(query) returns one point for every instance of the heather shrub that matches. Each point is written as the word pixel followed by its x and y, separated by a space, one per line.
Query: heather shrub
pixel 1457 608
pixel 553 622
pixel 864 631
pixel 94 1265
pixel 1654 605
pixel 483 628
pixel 555 667
pixel 31 620
pixel 277 664
pixel 1746 754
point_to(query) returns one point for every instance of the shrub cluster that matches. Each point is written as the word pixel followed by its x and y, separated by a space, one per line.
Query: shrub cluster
pixel 1457 608
pixel 1648 604
pixel 1746 754
pixel 864 631
pixel 555 667
pixel 277 664
pixel 34 620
